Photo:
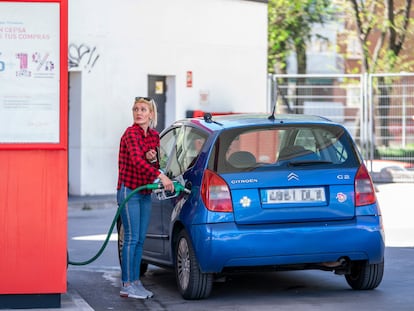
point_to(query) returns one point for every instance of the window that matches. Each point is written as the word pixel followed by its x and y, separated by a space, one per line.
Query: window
pixel 277 147
pixel 353 48
pixel 182 146
pixel 167 144
pixel 191 145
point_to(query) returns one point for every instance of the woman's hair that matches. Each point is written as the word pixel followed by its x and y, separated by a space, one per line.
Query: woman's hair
pixel 152 106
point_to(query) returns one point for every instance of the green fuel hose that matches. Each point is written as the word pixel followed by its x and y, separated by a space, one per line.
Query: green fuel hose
pixel 178 189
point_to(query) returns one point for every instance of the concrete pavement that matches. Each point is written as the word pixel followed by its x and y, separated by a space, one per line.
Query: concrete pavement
pixel 395 200
pixel 71 301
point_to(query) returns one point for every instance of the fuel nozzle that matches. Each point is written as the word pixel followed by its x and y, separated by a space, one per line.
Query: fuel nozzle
pixel 159 190
pixel 178 187
pixel 154 186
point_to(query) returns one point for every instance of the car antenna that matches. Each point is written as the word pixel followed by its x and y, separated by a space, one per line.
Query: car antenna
pixel 209 118
pixel 272 116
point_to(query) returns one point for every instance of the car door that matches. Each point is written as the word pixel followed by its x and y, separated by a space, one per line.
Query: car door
pixel 179 151
pixel 155 239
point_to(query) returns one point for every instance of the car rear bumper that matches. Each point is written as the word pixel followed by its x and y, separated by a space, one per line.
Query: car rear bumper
pixel 224 245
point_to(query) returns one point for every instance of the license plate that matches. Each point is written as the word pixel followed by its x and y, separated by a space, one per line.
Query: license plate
pixel 294 195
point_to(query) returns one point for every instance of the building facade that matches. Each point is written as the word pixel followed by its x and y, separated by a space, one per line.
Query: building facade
pixel 189 55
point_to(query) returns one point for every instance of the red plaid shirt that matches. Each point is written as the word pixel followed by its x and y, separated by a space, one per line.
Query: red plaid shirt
pixel 134 168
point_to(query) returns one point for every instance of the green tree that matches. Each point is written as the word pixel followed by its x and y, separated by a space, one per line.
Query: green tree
pixel 290 28
pixel 382 27
pixel 290 25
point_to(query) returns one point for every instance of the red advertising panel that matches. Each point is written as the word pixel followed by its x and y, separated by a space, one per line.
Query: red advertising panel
pixel 33 152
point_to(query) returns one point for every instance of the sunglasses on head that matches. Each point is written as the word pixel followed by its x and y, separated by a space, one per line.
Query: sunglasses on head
pixel 148 99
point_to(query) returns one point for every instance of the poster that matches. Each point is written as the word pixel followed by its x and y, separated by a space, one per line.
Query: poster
pixel 29 72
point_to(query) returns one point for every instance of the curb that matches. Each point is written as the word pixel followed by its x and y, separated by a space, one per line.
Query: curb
pixel 72 301
pixel 92 202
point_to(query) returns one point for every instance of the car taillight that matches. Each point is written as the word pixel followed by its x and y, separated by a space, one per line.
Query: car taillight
pixel 215 193
pixel 364 188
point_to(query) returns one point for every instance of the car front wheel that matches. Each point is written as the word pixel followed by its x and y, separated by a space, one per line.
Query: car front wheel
pixel 192 283
pixel 364 275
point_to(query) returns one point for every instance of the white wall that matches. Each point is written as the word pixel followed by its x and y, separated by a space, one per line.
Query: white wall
pixel 223 42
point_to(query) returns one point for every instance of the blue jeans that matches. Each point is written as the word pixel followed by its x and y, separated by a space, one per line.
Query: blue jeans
pixel 135 219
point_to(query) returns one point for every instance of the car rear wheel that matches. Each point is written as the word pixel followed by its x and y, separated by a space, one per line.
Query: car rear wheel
pixel 120 228
pixel 364 275
pixel 192 283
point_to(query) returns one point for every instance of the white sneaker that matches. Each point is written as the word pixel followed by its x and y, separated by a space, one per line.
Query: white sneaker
pixel 140 287
pixel 132 291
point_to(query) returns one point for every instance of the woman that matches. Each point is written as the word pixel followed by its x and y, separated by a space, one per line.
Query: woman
pixel 137 166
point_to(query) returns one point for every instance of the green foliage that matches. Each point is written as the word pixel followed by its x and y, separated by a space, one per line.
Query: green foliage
pixel 382 27
pixel 390 152
pixel 290 25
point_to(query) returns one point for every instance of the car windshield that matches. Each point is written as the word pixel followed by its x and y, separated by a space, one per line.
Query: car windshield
pixel 246 149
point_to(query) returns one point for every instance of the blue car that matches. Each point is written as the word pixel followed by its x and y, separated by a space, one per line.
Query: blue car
pixel 284 192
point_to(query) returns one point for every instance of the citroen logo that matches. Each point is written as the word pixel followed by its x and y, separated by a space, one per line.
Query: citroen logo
pixel 292 176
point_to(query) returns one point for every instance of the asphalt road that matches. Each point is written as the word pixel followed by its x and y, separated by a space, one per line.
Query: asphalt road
pixel 98 282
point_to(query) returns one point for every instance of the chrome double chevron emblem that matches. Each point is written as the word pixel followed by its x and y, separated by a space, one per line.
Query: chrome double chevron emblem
pixel 292 176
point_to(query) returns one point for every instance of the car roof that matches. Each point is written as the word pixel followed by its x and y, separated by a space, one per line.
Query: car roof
pixel 219 122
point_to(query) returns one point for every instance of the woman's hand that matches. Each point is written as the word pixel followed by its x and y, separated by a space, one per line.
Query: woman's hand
pixel 166 182
pixel 151 155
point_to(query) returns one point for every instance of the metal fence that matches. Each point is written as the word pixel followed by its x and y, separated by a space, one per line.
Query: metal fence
pixel 377 109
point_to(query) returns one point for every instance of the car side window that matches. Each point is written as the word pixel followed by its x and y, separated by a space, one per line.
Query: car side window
pixel 192 144
pixel 167 145
pixel 185 148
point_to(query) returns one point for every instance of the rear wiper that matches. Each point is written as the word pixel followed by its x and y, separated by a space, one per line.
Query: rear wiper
pixel 308 162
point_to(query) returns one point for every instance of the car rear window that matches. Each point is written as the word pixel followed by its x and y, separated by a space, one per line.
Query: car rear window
pixel 303 146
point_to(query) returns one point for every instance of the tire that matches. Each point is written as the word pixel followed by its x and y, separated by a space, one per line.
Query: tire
pixel 192 283
pixel 365 276
pixel 143 268
pixel 120 229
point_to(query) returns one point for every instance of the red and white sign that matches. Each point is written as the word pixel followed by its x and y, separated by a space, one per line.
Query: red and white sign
pixel 189 79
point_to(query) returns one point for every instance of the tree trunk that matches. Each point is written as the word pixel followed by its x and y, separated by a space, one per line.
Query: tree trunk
pixel 301 62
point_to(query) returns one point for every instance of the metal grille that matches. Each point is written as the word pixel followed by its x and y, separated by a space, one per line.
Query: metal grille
pixel 393 97
pixel 377 109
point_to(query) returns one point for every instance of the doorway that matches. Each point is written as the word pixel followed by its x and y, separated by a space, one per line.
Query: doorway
pixel 157 89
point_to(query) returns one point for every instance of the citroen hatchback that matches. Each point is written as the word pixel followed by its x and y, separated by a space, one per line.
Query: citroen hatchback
pixel 285 192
